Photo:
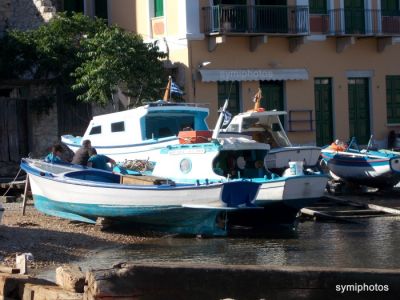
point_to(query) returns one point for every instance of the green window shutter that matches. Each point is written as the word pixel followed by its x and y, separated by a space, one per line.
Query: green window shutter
pixel 158 8
pixel 229 90
pixel 100 9
pixel 393 99
pixel 318 7
pixel 390 7
pixel 73 5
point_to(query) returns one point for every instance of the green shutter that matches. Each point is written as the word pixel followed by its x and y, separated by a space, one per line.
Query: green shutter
pixel 393 99
pixel 158 8
pixel 390 7
pixel 229 90
pixel 100 9
pixel 318 7
pixel 73 6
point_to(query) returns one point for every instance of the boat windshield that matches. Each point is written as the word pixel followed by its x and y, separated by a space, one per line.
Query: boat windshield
pixel 273 133
pixel 159 126
pixel 240 163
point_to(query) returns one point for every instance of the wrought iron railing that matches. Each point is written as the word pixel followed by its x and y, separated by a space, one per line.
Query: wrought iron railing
pixel 296 20
pixel 363 22
pixel 256 19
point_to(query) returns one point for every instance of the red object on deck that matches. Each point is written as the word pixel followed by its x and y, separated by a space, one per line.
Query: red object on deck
pixel 194 136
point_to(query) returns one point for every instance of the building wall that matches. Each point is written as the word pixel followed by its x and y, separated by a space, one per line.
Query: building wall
pixel 122 13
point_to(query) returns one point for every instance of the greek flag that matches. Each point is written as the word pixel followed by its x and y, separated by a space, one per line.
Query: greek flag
pixel 175 89
pixel 227 118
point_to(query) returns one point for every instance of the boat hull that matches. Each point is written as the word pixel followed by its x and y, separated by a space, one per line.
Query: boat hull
pixel 187 209
pixel 144 151
pixel 278 158
pixel 373 170
pixel 295 192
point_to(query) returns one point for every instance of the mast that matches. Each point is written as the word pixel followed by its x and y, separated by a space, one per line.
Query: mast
pixel 167 94
pixel 220 120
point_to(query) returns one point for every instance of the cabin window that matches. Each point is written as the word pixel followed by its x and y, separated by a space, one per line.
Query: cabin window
pixel 95 130
pixel 117 127
pixel 159 126
pixel 240 163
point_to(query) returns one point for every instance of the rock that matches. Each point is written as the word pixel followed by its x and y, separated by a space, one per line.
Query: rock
pixel 70 278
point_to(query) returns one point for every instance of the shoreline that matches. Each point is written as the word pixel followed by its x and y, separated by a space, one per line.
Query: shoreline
pixel 51 240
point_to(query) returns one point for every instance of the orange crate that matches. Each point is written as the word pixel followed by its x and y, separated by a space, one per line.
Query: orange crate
pixel 194 136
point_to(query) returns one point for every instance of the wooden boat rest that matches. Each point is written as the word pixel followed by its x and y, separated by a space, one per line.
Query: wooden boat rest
pixel 144 180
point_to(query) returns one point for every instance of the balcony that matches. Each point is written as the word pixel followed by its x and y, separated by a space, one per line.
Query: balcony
pixel 256 20
pixel 356 22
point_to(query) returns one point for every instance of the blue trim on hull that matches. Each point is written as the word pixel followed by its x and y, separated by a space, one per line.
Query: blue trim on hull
pixel 167 219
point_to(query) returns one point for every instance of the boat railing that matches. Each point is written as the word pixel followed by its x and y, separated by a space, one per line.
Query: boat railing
pixel 167 103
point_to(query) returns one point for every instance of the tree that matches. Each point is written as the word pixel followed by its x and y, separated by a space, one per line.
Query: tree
pixel 83 56
pixel 115 58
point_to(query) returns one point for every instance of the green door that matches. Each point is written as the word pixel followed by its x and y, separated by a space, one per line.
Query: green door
pixel 354 16
pixel 272 96
pixel 323 111
pixel 359 109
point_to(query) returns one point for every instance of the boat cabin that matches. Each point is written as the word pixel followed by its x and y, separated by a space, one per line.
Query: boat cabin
pixel 149 122
pixel 264 127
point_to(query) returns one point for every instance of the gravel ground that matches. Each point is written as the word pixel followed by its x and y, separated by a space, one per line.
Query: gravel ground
pixel 52 241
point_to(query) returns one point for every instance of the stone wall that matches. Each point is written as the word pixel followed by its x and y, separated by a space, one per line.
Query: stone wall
pixel 25 14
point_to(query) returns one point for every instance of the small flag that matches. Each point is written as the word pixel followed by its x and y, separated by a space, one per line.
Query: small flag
pixel 227 118
pixel 175 89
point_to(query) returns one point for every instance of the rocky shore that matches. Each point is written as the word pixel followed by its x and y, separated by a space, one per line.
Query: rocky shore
pixel 52 241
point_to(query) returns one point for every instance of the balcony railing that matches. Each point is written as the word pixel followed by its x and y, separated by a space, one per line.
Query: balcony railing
pixel 361 22
pixel 296 20
pixel 273 19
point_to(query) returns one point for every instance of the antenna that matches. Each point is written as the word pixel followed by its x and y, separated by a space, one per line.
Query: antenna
pixel 220 119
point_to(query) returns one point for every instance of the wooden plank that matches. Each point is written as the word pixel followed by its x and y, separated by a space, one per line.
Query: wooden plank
pixel 4 154
pixel 323 216
pixel 144 180
pixel 385 209
pixel 23 140
pixel 13 131
pixel 9 270
pixel 25 195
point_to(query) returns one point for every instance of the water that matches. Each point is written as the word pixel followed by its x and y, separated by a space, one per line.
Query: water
pixel 368 243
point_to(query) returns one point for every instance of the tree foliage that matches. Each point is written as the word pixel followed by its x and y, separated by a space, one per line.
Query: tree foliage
pixel 84 56
pixel 115 58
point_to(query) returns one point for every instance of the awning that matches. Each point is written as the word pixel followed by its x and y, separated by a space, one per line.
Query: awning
pixel 208 75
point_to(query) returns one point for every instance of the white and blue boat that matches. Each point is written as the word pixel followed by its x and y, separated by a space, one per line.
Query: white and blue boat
pixel 238 158
pixel 85 194
pixel 374 168
pixel 214 157
pixel 141 132
pixel 265 126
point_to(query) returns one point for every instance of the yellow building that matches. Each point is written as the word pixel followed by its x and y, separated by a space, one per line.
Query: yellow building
pixel 333 65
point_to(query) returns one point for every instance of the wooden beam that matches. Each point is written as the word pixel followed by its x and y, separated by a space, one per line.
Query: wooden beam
pixel 382 43
pixel 256 41
pixel 295 43
pixel 343 42
pixel 25 195
pixel 214 41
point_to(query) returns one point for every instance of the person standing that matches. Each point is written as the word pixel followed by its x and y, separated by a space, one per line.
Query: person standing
pixel 99 161
pixel 82 154
pixel 55 155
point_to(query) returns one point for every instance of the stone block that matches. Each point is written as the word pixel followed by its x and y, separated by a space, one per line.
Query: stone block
pixel 33 291
pixel 70 278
